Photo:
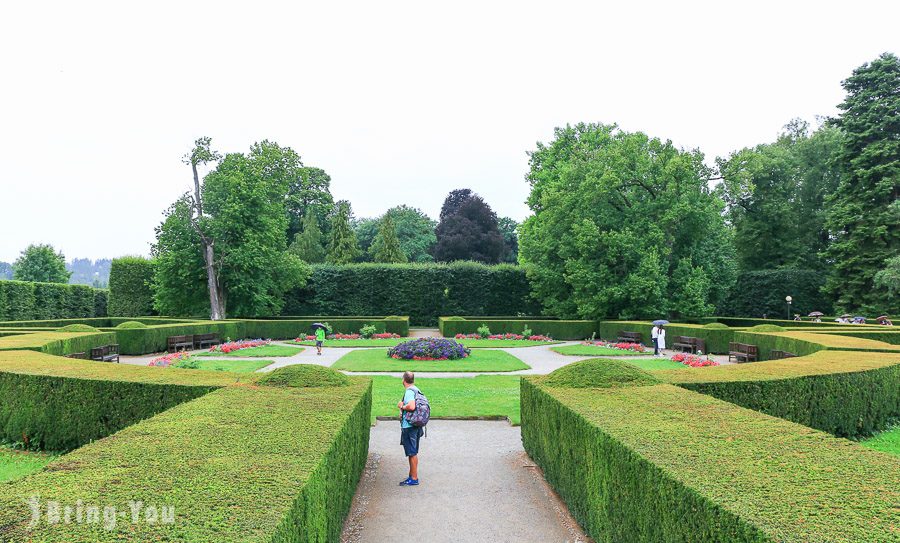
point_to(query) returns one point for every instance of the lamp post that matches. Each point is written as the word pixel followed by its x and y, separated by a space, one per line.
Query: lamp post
pixel 788 299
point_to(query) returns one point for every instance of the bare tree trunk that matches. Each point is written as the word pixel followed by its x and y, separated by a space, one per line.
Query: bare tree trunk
pixel 216 302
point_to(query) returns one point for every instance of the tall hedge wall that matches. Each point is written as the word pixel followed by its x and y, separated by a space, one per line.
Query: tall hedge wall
pixel 646 464
pixel 21 300
pixel 422 291
pixel 759 293
pixel 130 295
pixel 557 329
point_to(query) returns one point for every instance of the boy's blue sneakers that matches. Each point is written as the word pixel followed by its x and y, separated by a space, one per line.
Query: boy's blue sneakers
pixel 409 482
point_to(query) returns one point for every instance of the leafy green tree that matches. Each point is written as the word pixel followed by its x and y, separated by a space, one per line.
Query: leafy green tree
pixel 309 192
pixel 509 230
pixel 386 247
pixel 307 243
pixel 342 245
pixel 180 279
pixel 888 278
pixel 245 218
pixel 468 230
pixel 864 212
pixel 41 263
pixel 616 215
pixel 415 231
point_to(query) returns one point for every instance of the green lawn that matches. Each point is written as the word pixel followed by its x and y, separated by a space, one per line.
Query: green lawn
pixel 238 366
pixel 482 396
pixel 887 441
pixel 377 360
pixel 354 342
pixel 261 351
pixel 16 464
pixel 471 343
pixel 593 350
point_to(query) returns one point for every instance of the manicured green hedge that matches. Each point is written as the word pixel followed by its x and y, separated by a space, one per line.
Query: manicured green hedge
pixel 661 463
pixel 60 413
pixel 803 343
pixel 744 322
pixel 130 295
pixel 758 293
pixel 137 341
pixel 889 335
pixel 557 329
pixel 57 343
pixel 20 300
pixel 847 394
pixel 291 328
pixel 716 339
pixel 422 291
pixel 239 464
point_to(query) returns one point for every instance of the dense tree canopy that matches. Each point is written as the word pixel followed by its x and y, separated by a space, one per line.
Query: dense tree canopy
pixel 386 247
pixel 468 230
pixel 624 226
pixel 308 244
pixel 309 191
pixel 864 211
pixel 245 217
pixel 41 263
pixel 342 244
pixel 415 231
pixel 509 230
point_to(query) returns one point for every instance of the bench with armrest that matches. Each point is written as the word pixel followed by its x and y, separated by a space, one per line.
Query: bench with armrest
pixel 180 343
pixel 630 337
pixel 106 353
pixel 778 355
pixel 743 352
pixel 689 344
pixel 204 341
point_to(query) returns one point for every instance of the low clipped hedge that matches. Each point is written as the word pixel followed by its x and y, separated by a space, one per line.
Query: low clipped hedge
pixel 652 463
pixel 57 343
pixel 23 300
pixel 137 341
pixel 848 394
pixel 61 404
pixel 291 328
pixel 557 329
pixel 803 343
pixel 97 322
pixel 239 464
pixel 716 339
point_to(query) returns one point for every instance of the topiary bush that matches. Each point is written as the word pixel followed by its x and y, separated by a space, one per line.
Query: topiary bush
pixel 715 326
pixel 599 373
pixel 767 328
pixel 78 328
pixel 304 376
pixel 131 325
pixel 129 287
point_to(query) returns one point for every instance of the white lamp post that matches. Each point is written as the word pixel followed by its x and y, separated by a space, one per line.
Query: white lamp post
pixel 788 299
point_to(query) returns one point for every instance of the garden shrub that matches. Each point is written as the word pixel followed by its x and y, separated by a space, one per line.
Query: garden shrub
pixel 652 463
pixel 422 291
pixel 847 394
pixel 21 300
pixel 153 339
pixel 598 373
pixel 304 375
pixel 715 326
pixel 131 325
pixel 557 329
pixel 130 295
pixel 57 343
pixel 367 331
pixel 291 328
pixel 78 328
pixel 758 293
pixel 766 328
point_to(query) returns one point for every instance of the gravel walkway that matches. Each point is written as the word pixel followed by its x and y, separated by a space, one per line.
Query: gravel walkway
pixel 477 484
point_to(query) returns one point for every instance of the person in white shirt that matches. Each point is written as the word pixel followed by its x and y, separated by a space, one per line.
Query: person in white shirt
pixel 654 337
pixel 661 341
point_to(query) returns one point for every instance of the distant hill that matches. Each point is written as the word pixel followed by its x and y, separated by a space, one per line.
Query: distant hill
pixel 84 271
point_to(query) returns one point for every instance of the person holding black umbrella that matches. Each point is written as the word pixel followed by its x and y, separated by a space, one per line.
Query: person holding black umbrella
pixel 320 337
pixel 658 335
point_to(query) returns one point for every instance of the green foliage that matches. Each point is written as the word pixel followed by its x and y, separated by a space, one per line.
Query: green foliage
pixel 130 281
pixel 716 339
pixel 864 211
pixel 483 331
pixel 557 329
pixel 21 300
pixel 78 328
pixel 263 351
pixel 715 326
pixel 649 463
pixel 422 291
pixel 342 244
pixel 309 193
pixel 40 263
pixel 415 231
pixel 759 293
pixel 767 328
pixel 386 247
pixel 179 283
pixel 509 229
pixel 888 278
pixel 887 441
pixel 131 325
pixel 599 373
pixel 304 375
pixel 367 331
pixel 468 230
pixel 616 215
pixel 307 244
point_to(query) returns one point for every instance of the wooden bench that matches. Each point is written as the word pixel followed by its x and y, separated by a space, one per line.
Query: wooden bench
pixel 106 353
pixel 80 356
pixel 689 344
pixel 778 355
pixel 630 337
pixel 203 341
pixel 180 343
pixel 743 352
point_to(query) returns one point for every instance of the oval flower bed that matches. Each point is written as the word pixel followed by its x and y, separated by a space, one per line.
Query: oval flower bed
pixel 429 349
pixel 693 360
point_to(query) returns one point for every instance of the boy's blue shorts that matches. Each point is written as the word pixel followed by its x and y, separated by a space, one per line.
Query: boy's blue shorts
pixel 409 438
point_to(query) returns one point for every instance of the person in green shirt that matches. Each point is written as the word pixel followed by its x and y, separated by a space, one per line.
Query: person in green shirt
pixel 320 339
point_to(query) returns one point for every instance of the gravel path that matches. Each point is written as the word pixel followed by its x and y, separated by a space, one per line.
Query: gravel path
pixel 477 484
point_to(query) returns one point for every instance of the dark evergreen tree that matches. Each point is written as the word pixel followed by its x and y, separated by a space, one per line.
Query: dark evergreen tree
pixel 342 245
pixel 468 230
pixel 307 244
pixel 386 247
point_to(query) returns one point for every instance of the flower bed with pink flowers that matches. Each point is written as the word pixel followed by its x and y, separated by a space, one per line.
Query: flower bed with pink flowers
pixel 620 346
pixel 232 346
pixel 339 337
pixel 693 360
pixel 169 360
pixel 517 337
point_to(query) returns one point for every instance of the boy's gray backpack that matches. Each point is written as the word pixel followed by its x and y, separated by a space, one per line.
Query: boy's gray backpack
pixel 422 414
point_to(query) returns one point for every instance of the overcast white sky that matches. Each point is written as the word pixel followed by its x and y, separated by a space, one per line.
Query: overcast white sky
pixel 399 101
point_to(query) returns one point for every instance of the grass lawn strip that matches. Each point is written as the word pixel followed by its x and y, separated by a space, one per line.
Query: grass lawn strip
pixel 377 360
pixel 594 350
pixel 15 464
pixel 887 441
pixel 235 366
pixel 261 351
pixel 471 343
pixel 482 396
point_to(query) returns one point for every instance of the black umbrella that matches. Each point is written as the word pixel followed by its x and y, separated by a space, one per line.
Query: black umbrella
pixel 318 325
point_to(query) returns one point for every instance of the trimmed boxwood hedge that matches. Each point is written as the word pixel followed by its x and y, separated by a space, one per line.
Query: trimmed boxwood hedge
pixel 557 329
pixel 57 343
pixel 422 291
pixel 661 463
pixel 848 394
pixel 239 464
pixel 22 300
pixel 130 295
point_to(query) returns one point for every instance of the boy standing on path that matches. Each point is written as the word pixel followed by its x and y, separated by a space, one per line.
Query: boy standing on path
pixel 320 339
pixel 409 434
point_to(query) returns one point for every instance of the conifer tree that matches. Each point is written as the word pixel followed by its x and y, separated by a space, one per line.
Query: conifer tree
pixel 342 245
pixel 308 244
pixel 386 247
